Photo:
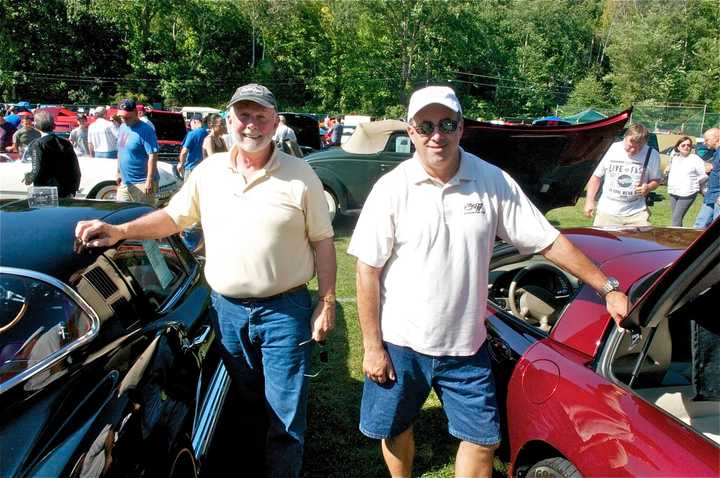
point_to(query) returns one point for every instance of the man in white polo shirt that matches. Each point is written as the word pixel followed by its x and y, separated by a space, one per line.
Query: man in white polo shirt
pixel 423 243
pixel 267 232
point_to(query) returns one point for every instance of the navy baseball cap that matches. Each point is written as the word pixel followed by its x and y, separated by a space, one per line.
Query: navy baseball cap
pixel 127 105
pixel 255 93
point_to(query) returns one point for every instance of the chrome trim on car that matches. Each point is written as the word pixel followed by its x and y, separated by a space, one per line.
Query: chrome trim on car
pixel 180 291
pixel 207 420
pixel 61 354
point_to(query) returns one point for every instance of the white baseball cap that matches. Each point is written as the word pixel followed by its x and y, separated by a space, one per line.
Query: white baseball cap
pixel 441 95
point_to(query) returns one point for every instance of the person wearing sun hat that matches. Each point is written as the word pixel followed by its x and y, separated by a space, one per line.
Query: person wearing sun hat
pixel 423 244
pixel 267 233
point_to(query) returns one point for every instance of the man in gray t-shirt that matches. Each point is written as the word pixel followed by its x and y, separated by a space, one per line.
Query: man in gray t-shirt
pixel 79 137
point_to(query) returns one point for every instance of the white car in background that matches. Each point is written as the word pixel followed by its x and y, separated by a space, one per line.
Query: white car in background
pixel 97 180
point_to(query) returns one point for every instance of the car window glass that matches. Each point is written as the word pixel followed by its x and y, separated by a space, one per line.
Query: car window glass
pixel 154 265
pixel 400 143
pixel 37 321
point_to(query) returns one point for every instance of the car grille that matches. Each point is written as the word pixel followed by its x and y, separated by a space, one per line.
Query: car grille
pixel 169 152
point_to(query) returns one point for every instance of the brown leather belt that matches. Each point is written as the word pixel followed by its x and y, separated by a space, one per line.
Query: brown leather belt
pixel 273 297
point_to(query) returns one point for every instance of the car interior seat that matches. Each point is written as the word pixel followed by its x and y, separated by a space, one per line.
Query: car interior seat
pixel 656 362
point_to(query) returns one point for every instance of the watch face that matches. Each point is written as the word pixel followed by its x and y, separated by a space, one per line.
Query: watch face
pixel 614 283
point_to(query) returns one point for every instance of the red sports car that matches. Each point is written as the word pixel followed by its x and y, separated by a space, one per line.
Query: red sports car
pixel 584 398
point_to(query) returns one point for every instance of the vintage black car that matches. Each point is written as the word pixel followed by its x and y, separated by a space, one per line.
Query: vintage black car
pixel 108 362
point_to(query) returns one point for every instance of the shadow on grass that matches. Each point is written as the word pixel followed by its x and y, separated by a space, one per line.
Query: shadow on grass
pixel 334 446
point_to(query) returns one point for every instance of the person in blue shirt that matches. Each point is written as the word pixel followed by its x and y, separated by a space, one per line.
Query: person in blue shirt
pixel 137 157
pixel 191 153
pixel 710 209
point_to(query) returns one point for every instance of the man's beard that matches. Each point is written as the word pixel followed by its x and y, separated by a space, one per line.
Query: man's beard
pixel 250 145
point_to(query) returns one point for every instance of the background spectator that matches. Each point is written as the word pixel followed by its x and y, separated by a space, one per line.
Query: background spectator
pixel 685 176
pixel 214 142
pixel 54 162
pixel 102 139
pixel 79 137
pixel 25 135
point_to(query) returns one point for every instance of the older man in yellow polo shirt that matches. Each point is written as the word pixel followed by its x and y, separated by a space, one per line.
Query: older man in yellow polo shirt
pixel 267 232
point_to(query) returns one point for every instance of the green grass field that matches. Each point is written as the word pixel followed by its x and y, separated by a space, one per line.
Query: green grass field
pixel 335 447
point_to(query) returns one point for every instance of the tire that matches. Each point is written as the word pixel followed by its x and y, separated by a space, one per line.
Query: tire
pixel 332 204
pixel 183 464
pixel 106 191
pixel 553 468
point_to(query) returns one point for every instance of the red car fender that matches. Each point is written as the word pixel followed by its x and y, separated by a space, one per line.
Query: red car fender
pixel 554 397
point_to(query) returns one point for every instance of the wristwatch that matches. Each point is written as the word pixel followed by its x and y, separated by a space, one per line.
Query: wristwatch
pixel 612 284
pixel 328 298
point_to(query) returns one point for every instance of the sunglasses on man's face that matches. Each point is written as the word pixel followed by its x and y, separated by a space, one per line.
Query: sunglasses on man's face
pixel 445 126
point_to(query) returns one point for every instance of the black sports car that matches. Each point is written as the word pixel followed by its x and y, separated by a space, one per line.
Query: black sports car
pixel 107 363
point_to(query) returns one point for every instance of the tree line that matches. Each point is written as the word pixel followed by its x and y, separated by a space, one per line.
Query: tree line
pixel 503 57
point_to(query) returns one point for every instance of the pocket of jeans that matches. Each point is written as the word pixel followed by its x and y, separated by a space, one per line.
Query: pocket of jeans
pixel 299 299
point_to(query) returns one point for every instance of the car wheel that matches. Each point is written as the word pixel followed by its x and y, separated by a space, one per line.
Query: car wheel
pixel 106 191
pixel 183 465
pixel 553 468
pixel 332 204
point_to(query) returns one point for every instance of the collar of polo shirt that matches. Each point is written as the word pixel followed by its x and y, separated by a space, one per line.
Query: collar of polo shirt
pixel 418 174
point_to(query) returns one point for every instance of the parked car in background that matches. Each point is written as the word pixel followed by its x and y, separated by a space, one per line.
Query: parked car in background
pixel 97 179
pixel 169 128
pixel 189 111
pixel 580 397
pixel 108 362
pixel 551 163
pixel 307 130
pixel 65 119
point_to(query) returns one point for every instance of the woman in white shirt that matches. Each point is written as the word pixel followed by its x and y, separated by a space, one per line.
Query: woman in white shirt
pixel 687 173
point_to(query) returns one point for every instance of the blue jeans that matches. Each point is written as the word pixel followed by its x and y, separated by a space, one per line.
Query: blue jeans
pixel 106 154
pixel 267 351
pixel 707 214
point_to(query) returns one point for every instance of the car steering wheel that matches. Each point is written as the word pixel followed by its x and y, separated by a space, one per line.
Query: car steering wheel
pixel 536 305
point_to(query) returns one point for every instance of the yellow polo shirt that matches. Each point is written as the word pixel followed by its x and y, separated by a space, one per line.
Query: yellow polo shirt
pixel 257 232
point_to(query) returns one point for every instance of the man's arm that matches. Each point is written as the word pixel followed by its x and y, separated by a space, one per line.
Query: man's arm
pixel 181 160
pixel 151 167
pixel 563 253
pixel 323 317
pixel 156 225
pixel 591 191
pixel 376 361
pixel 645 188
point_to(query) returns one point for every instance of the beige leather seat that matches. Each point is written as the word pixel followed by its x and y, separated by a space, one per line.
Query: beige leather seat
pixel 656 362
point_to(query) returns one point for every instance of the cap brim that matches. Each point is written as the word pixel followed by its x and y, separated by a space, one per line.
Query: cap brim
pixel 254 99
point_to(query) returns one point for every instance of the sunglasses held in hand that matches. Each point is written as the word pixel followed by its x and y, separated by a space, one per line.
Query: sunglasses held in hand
pixel 322 356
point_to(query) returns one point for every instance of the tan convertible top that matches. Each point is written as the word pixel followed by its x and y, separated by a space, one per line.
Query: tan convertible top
pixel 370 138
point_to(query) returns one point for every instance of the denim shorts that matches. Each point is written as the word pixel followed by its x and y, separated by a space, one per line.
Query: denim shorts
pixel 464 385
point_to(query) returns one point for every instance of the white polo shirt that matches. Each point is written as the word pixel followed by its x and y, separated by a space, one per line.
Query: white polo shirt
pixel 434 242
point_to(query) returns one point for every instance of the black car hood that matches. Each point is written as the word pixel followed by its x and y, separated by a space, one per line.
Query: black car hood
pixel 307 129
pixel 551 163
